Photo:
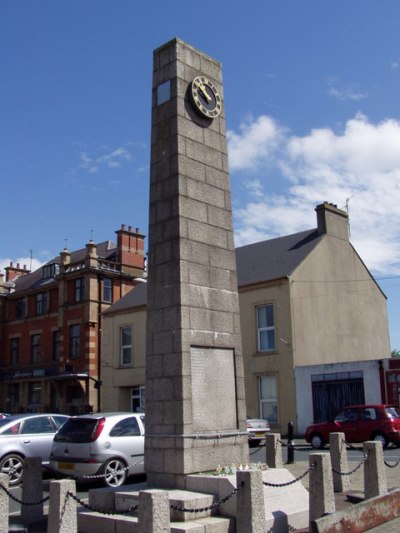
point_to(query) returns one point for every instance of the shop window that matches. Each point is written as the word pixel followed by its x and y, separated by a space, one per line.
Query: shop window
pixel 34 393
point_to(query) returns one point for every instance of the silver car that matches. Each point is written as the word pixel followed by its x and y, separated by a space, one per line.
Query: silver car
pixel 109 445
pixel 257 428
pixel 26 435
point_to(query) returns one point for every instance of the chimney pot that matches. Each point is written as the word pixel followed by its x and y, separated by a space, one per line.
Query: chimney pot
pixel 123 226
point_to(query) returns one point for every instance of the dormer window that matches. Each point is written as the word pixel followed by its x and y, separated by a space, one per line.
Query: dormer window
pixel 51 270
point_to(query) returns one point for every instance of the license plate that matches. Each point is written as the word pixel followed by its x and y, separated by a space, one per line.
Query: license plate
pixel 66 466
pixel 259 434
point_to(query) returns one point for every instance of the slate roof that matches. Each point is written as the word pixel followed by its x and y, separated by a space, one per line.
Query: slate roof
pixel 105 250
pixel 261 261
pixel 275 258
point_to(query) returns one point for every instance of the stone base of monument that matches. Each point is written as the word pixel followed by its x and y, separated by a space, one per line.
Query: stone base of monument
pixel 286 504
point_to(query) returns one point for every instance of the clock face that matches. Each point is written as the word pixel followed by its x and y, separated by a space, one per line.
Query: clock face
pixel 205 97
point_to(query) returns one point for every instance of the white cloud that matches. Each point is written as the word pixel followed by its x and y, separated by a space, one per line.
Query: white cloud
pixel 350 91
pixel 361 163
pixel 108 159
pixel 256 141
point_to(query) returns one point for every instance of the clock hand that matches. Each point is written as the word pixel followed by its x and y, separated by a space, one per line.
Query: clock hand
pixel 205 93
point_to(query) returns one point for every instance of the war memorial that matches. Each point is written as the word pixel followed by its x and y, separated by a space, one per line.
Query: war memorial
pixel 199 475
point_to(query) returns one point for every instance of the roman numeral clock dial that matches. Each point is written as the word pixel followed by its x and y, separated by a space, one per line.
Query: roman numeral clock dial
pixel 205 98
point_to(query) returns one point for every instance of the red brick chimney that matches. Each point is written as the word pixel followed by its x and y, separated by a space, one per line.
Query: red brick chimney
pixel 130 246
pixel 12 272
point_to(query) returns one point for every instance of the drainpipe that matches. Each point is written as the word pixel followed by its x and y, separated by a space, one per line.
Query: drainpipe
pixel 98 383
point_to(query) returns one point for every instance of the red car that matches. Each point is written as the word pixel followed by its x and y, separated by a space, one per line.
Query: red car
pixel 359 423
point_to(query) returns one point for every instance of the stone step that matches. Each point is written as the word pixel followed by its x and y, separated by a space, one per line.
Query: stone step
pixel 216 524
pixel 178 498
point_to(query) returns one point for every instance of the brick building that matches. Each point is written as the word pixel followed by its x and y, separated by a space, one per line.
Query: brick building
pixel 50 324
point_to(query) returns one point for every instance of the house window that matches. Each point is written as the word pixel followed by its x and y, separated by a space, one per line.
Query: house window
pixel 56 345
pixel 268 398
pixel 265 328
pixel 74 341
pixel 41 303
pixel 126 345
pixel 14 351
pixel 79 289
pixel 35 349
pixel 34 393
pixel 20 308
pixel 138 399
pixel 49 271
pixel 107 290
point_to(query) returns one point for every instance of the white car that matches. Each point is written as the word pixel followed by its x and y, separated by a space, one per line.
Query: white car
pixel 110 445
pixel 26 435
pixel 257 428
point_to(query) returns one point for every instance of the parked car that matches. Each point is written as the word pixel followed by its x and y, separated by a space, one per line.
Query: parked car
pixel 107 444
pixel 359 423
pixel 26 435
pixel 4 415
pixel 257 428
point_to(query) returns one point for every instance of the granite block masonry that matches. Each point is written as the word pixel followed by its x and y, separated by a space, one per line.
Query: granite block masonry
pixel 195 400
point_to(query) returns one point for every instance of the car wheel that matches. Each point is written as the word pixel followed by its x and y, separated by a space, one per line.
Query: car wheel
pixel 317 442
pixel 115 473
pixel 381 437
pixel 13 466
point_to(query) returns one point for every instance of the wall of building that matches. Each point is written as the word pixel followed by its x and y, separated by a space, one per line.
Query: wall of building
pixel 279 362
pixel 302 376
pixel 118 380
pixel 338 310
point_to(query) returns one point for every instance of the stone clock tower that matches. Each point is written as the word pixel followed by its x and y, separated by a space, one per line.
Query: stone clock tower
pixel 195 403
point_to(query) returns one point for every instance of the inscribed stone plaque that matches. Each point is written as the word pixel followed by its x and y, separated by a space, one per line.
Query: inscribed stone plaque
pixel 213 389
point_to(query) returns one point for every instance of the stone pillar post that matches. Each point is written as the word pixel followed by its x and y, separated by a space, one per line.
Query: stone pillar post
pixel 322 500
pixel 62 508
pixel 4 504
pixel 154 513
pixel 250 513
pixel 374 470
pixel 338 450
pixel 32 490
pixel 273 450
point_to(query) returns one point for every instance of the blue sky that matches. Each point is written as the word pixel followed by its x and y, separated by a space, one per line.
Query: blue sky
pixel 312 96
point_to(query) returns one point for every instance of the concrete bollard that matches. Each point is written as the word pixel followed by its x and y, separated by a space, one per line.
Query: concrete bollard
pixel 339 462
pixel 322 499
pixel 250 506
pixel 154 514
pixel 62 508
pixel 4 504
pixel 273 450
pixel 32 491
pixel 374 470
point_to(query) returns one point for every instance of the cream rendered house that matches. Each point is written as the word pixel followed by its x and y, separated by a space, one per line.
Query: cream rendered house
pixel 314 329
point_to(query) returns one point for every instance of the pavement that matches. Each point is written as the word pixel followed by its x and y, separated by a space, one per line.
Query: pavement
pixel 356 490
pixel 297 469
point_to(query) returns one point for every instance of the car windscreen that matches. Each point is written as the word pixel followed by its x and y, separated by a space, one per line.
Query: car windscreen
pixel 77 430
pixel 392 412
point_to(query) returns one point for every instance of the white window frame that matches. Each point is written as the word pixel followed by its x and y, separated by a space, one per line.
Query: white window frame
pixel 125 347
pixel 138 393
pixel 265 329
pixel 270 403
